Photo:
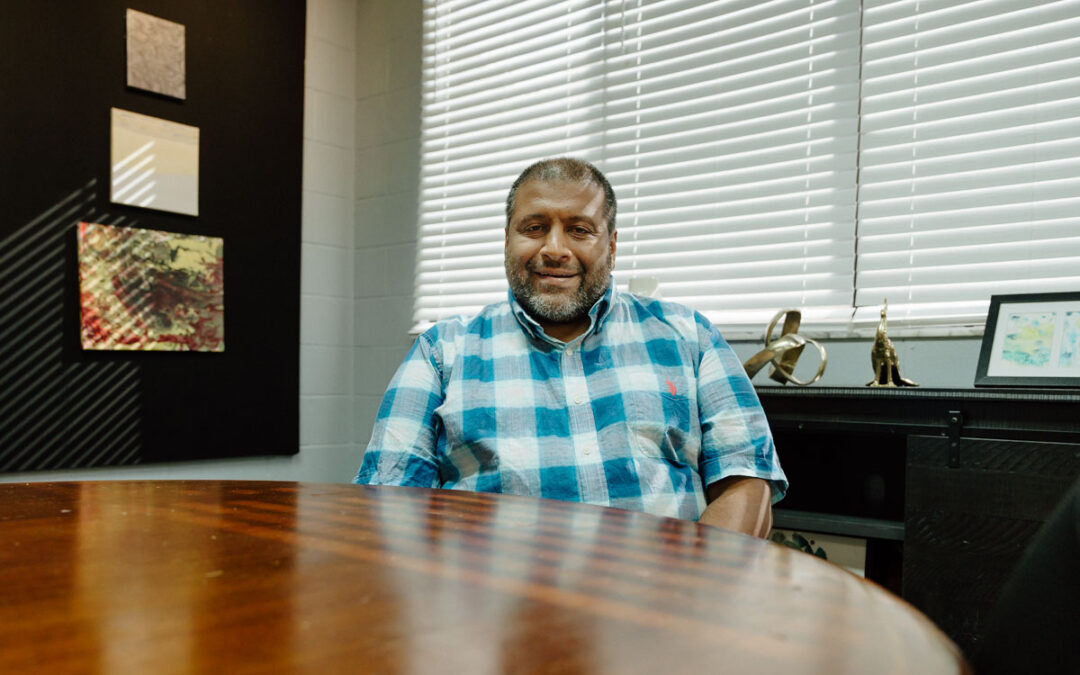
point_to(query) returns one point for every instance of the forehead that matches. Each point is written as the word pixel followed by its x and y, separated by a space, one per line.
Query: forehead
pixel 564 197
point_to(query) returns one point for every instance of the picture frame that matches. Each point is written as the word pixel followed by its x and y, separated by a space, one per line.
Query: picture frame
pixel 155 163
pixel 150 290
pixel 1031 340
pixel 156 54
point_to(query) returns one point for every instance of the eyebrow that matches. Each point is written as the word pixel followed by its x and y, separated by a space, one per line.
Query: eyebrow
pixel 533 216
pixel 582 219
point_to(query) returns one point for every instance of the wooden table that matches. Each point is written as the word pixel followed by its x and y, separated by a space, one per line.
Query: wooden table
pixel 250 577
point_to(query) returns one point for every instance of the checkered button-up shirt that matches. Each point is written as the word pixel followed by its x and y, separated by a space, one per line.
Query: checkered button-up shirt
pixel 643 411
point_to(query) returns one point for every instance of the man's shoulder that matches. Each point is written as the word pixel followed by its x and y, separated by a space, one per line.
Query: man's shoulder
pixel 492 318
pixel 658 307
pixel 659 313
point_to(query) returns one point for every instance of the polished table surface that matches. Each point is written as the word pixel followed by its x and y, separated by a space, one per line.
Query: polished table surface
pixel 268 577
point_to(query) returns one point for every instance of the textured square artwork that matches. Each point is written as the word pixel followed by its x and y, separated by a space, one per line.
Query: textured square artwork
pixel 155 54
pixel 150 290
pixel 155 163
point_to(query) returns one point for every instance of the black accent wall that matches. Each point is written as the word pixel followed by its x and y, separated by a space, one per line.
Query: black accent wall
pixel 62 67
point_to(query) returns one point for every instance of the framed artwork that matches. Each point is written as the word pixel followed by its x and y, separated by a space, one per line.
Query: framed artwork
pixel 156 54
pixel 1031 340
pixel 155 163
pixel 150 290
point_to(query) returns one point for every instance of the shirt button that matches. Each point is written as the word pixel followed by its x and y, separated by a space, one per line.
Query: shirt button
pixel 570 352
pixel 588 451
pixel 577 399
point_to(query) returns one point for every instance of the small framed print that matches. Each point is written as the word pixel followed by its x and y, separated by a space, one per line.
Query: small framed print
pixel 1031 340
pixel 155 54
pixel 155 163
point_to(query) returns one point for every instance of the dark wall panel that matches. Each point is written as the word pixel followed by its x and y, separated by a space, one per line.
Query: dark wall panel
pixel 967 525
pixel 62 67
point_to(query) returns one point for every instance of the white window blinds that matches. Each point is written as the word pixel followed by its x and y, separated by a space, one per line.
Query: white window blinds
pixel 730 137
pixel 731 133
pixel 506 82
pixel 970 163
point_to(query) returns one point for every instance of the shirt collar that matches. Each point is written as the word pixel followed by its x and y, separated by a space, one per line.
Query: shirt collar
pixel 598 313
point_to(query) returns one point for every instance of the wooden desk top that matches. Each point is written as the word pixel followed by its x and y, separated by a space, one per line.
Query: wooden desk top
pixel 251 577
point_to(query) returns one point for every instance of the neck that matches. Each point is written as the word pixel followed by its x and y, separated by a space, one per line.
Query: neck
pixel 565 331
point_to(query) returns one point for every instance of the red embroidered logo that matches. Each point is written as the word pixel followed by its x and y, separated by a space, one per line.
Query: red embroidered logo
pixel 671 388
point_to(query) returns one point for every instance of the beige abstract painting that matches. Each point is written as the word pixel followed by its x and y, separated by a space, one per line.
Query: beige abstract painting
pixel 155 163
pixel 150 290
pixel 156 54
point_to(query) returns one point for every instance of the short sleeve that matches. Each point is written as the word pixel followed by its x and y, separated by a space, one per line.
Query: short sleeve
pixel 735 435
pixel 402 450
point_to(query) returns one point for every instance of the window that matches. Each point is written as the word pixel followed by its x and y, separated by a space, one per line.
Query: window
pixel 818 154
pixel 970 159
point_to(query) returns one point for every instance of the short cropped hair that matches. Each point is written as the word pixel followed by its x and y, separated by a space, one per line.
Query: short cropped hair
pixel 569 169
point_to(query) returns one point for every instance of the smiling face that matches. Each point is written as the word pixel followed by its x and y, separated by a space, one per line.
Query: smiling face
pixel 559 253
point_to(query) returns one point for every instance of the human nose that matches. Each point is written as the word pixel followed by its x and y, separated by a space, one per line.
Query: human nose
pixel 556 245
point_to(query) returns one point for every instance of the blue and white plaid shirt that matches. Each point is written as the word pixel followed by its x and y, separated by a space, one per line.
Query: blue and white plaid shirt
pixel 641 412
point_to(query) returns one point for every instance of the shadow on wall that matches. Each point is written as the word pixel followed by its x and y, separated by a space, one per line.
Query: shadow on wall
pixel 57 409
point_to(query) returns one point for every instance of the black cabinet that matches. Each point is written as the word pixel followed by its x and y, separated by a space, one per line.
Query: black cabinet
pixel 946 485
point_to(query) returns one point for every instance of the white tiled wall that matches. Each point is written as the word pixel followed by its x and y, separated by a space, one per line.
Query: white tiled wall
pixel 327 431
pixel 388 39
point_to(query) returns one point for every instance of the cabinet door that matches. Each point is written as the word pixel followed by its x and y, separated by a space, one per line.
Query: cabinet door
pixel 966 526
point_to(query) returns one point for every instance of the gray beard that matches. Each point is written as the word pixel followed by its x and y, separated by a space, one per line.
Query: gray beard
pixel 554 308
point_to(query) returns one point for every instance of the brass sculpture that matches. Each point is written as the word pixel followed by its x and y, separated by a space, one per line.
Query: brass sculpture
pixel 784 352
pixel 883 358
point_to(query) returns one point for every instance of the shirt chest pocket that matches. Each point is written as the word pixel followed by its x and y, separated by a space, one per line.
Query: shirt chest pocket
pixel 662 421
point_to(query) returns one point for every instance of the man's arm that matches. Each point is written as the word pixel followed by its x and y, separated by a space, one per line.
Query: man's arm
pixel 739 503
pixel 738 462
pixel 403 442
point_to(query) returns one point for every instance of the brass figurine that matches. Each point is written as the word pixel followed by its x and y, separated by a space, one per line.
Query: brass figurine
pixel 883 358
pixel 784 352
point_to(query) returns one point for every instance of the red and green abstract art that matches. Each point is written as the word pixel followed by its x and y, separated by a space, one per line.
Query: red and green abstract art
pixel 150 290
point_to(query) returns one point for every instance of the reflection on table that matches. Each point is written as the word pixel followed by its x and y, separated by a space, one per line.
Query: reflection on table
pixel 213 576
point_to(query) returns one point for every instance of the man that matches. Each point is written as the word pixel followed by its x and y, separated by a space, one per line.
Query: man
pixel 573 390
